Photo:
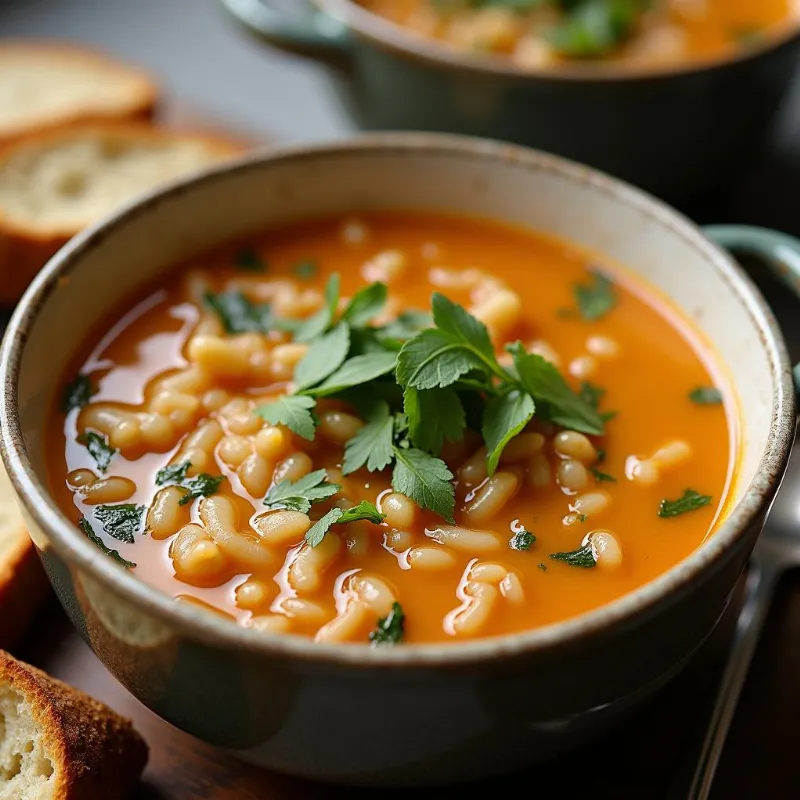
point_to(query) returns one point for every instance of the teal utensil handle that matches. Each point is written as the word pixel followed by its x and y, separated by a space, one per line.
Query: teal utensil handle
pixel 295 26
pixel 778 251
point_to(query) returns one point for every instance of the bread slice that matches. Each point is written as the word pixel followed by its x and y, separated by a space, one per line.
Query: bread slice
pixel 56 743
pixel 48 84
pixel 23 584
pixel 54 184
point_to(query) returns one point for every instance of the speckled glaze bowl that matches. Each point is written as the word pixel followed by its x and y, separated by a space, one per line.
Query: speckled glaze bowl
pixel 410 714
pixel 675 131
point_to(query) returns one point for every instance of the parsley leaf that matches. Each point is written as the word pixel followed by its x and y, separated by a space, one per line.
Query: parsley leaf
pixel 363 511
pixel 366 304
pixel 202 485
pixel 77 393
pixel 433 416
pixel 505 416
pixel 86 527
pixel 547 386
pixel 300 494
pixel 438 357
pixel 98 449
pixel 706 396
pixel 408 324
pixel 249 260
pixel 324 356
pixel 356 371
pixel 238 314
pixel 121 521
pixel 593 28
pixel 318 323
pixel 592 395
pixel 306 269
pixel 390 628
pixel 582 557
pixel 293 411
pixel 175 473
pixel 603 477
pixel 372 445
pixel 690 500
pixel 522 540
pixel 596 298
pixel 425 479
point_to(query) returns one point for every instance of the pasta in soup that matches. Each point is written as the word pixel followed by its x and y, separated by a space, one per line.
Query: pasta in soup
pixel 397 428
pixel 543 33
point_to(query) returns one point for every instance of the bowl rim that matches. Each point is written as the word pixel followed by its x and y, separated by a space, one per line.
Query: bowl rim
pixel 389 35
pixel 210 629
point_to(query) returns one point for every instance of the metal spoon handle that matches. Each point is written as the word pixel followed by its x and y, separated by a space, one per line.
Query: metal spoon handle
pixel 759 588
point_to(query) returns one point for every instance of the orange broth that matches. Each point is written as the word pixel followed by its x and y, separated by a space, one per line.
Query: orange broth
pixel 660 361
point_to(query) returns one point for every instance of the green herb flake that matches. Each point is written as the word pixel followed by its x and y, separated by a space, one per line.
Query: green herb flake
pixel 522 540
pixel 596 298
pixel 248 259
pixel 292 410
pixel 174 473
pixel 299 495
pixel 706 396
pixel 582 517
pixel 542 567
pixel 306 269
pixel 202 485
pixel 238 314
pixel 363 511
pixel 390 629
pixel 582 557
pixel 603 477
pixel 98 449
pixel 689 501
pixel 86 527
pixel 121 521
pixel 77 393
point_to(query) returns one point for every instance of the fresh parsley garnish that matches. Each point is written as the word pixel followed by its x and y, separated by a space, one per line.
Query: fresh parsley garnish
pixel 300 494
pixel 77 393
pixel 305 269
pixel 408 324
pixel 202 485
pixel 593 28
pixel 582 557
pixel 175 473
pixel 366 304
pixel 98 449
pixel 322 320
pixel 690 500
pixel 425 479
pixel 603 477
pixel 86 527
pixel 248 259
pixel 390 628
pixel 238 314
pixel 323 357
pixel 337 516
pixel 356 371
pixel 542 567
pixel 371 447
pixel 292 410
pixel 121 521
pixel 596 297
pixel 505 416
pixel 522 540
pixel 433 416
pixel 706 396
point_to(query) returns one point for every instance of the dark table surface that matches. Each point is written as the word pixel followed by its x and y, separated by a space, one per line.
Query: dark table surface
pixel 212 73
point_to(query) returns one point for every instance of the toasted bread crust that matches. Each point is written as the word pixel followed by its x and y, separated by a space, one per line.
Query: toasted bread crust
pixel 140 104
pixel 96 753
pixel 24 250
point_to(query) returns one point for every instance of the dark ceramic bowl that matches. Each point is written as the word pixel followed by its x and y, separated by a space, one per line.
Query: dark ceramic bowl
pixel 676 132
pixel 422 713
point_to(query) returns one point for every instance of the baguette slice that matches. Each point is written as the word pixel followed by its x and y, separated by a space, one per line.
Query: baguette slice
pixel 49 84
pixel 23 585
pixel 59 744
pixel 56 183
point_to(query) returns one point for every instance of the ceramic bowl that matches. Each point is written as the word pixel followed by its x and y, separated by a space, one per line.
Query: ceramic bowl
pixel 677 132
pixel 411 714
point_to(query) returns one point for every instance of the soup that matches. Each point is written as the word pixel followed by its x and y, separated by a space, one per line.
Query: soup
pixel 542 33
pixel 282 434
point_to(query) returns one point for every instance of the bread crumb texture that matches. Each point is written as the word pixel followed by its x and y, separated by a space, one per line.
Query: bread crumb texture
pixel 56 742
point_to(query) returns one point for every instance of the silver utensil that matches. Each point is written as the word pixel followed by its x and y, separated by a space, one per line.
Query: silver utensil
pixel 777 550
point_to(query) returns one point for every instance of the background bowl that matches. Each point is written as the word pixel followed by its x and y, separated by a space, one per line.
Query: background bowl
pixel 677 132
pixel 426 713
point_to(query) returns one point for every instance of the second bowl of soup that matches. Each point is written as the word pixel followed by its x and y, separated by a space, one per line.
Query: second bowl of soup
pixel 461 442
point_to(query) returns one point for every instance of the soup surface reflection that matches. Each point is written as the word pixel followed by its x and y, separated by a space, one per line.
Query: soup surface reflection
pixel 281 433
